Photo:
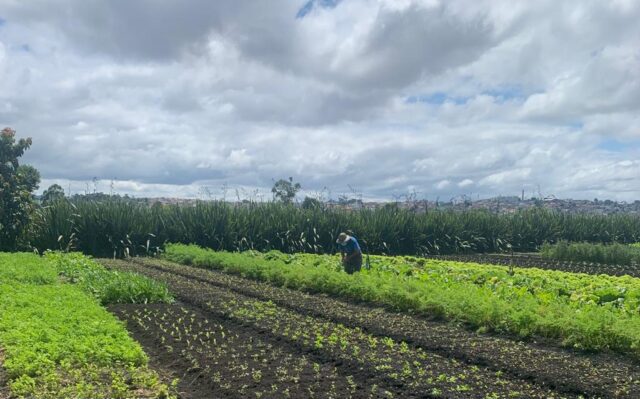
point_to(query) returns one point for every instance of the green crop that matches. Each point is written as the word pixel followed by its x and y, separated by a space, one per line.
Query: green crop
pixel 116 228
pixel 108 286
pixel 612 254
pixel 578 310
pixel 59 343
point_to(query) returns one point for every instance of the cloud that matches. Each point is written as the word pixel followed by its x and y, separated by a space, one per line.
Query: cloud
pixel 444 98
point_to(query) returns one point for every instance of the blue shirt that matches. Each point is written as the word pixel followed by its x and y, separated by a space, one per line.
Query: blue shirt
pixel 351 246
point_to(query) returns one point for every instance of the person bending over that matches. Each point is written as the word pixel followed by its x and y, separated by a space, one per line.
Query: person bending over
pixel 351 253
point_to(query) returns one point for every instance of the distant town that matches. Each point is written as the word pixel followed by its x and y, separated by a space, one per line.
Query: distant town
pixel 501 204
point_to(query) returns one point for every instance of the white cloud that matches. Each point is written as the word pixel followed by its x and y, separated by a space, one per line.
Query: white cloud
pixel 388 96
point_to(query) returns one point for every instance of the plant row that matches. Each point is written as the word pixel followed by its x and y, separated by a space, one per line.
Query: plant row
pixel 107 286
pixel 536 261
pixel 581 311
pixel 231 361
pixel 611 254
pixel 58 342
pixel 390 363
pixel 125 228
pixel 595 376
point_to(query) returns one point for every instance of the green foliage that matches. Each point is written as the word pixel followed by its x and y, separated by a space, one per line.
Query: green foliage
pixel 285 190
pixel 612 254
pixel 16 184
pixel 52 194
pixel 59 343
pixel 105 285
pixel 582 311
pixel 119 228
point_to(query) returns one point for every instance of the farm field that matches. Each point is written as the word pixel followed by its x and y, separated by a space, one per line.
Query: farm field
pixel 348 346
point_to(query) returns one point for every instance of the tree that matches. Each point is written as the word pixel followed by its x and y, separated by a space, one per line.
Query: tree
pixel 285 190
pixel 16 185
pixel 52 194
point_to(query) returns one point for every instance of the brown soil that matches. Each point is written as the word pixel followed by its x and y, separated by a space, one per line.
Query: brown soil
pixel 485 359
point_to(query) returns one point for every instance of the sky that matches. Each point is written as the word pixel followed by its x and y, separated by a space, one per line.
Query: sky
pixel 371 98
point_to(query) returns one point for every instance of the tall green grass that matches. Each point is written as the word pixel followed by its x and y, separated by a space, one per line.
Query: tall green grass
pixel 613 254
pixel 120 228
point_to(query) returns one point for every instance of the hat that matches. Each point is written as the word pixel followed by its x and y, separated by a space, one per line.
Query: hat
pixel 342 238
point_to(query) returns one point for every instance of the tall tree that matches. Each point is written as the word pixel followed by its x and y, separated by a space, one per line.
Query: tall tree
pixel 52 194
pixel 285 190
pixel 16 185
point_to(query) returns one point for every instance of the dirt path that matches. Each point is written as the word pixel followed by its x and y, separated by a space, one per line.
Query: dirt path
pixel 220 295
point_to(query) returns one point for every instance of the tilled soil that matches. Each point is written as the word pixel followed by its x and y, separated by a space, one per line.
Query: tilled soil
pixel 606 375
pixel 405 355
pixel 217 358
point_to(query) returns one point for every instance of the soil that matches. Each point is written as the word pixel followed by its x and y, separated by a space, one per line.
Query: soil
pixel 503 366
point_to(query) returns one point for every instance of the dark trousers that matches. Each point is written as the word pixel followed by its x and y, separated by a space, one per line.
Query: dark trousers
pixel 354 264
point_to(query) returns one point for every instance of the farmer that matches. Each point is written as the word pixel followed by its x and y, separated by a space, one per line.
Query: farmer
pixel 351 253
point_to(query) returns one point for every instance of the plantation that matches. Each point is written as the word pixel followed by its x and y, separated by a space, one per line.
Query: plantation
pixel 120 228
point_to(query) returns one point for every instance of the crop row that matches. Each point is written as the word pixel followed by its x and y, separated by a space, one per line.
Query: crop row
pixel 535 261
pixel 229 361
pixel 58 342
pixel 580 311
pixel 393 363
pixel 594 375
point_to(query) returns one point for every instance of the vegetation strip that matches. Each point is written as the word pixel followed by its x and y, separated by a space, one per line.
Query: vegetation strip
pixel 593 375
pixel 59 342
pixel 536 261
pixel 110 227
pixel 579 311
pixel 610 254
pixel 394 362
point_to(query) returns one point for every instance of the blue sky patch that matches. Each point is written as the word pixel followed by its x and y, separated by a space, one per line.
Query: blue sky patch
pixel 2 21
pixel 437 98
pixel 506 93
pixel 309 5
pixel 613 145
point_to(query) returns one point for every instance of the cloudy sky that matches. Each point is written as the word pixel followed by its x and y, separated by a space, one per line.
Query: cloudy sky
pixel 383 97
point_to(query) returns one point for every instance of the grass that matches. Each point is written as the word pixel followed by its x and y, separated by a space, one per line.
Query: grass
pixel 613 254
pixel 58 342
pixel 581 311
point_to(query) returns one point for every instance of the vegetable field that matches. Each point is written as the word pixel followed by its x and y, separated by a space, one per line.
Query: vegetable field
pixel 197 323
pixel 277 325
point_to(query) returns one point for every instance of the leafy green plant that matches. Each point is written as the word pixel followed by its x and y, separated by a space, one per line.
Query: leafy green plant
pixel 59 343
pixel 108 286
pixel 582 311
